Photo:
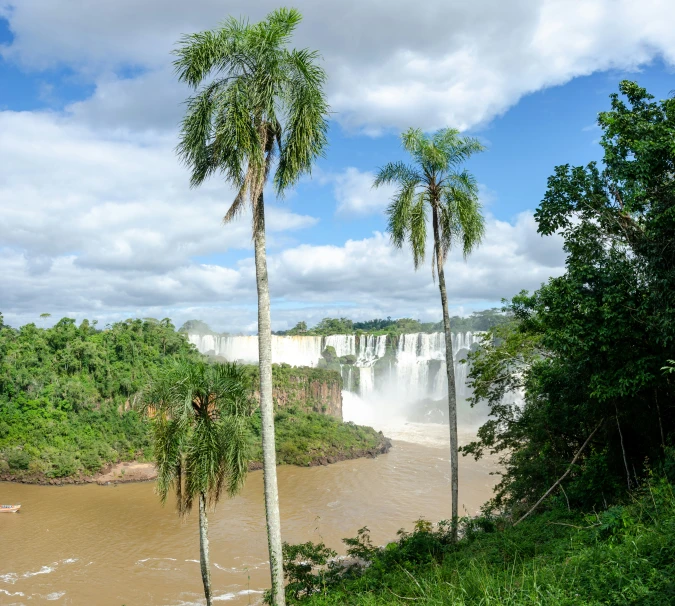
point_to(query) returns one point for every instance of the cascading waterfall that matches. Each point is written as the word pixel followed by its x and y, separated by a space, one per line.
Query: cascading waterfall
pixel 413 370
pixel 296 351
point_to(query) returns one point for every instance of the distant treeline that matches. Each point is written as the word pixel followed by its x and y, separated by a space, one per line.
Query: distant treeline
pixel 477 321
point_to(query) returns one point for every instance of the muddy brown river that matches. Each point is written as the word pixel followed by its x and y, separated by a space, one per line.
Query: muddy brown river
pixel 117 545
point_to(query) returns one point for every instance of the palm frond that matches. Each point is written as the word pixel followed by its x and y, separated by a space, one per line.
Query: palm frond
pixel 398 213
pixel 417 228
pixel 306 125
pixel 396 172
pixel 202 53
pixel 461 216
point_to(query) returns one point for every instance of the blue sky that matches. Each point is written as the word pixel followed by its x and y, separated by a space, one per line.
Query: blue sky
pixel 98 221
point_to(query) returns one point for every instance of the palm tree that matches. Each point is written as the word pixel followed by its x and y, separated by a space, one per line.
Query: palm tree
pixel 435 184
pixel 201 445
pixel 259 108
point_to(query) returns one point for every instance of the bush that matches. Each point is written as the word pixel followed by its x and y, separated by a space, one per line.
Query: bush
pixel 63 465
pixel 18 459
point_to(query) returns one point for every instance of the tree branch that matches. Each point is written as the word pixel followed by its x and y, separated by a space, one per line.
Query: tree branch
pixel 563 476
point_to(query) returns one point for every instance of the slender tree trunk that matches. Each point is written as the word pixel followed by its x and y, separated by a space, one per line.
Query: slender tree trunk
pixel 267 411
pixel 450 368
pixel 204 561
pixel 658 412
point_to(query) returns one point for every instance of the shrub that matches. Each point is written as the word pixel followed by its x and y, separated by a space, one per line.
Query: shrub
pixel 18 459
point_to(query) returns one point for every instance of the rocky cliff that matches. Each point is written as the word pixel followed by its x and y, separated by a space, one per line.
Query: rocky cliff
pixel 308 389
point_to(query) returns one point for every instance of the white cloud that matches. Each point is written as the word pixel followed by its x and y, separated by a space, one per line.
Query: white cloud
pixel 107 228
pixel 402 64
pixel 355 194
pixel 88 222
pixel 365 279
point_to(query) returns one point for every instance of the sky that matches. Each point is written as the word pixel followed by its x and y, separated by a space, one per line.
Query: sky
pixel 97 219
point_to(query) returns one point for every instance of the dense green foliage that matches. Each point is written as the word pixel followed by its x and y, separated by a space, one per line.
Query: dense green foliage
pixel 70 399
pixel 589 348
pixel 623 555
pixel 67 393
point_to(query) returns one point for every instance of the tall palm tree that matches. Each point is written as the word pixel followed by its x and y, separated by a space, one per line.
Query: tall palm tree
pixel 259 109
pixel 435 184
pixel 198 413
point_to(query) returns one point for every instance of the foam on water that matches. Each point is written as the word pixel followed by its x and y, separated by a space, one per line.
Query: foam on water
pixel 10 577
pixel 57 595
pixel 43 570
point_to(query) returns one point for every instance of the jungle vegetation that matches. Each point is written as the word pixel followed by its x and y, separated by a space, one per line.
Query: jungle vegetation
pixel 71 399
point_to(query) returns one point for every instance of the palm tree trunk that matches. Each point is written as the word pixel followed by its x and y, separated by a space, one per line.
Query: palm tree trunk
pixel 204 562
pixel 267 410
pixel 450 368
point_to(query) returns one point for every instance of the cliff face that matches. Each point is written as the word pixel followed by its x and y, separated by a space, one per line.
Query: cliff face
pixel 309 389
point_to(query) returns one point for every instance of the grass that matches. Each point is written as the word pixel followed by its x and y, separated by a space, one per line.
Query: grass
pixel 624 555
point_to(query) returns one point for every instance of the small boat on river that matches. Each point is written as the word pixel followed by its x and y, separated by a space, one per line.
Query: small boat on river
pixel 10 508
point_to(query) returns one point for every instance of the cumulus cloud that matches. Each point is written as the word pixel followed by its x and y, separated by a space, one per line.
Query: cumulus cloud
pixel 87 222
pixel 96 217
pixel 393 65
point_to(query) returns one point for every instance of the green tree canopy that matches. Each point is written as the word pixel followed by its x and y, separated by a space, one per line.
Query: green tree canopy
pixel 589 346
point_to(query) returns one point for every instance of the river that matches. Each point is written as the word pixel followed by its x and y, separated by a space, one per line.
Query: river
pixel 117 545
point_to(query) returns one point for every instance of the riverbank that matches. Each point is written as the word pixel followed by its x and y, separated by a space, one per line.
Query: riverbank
pixel 143 471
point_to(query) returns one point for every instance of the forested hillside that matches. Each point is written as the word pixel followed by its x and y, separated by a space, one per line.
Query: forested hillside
pixel 67 392
pixel 69 400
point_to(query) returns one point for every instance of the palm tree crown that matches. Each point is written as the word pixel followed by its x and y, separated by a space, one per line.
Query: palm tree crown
pixel 200 431
pixel 263 102
pixel 434 182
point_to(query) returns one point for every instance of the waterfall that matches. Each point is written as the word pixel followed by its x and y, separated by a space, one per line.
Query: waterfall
pixel 296 351
pixel 415 370
pixel 345 345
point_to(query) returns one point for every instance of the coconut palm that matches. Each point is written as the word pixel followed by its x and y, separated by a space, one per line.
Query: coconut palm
pixel 259 111
pixel 201 445
pixel 436 186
